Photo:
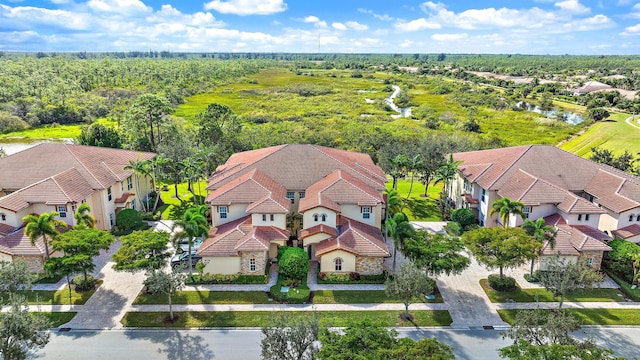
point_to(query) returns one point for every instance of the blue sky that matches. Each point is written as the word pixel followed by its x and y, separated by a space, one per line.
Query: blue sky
pixel 345 26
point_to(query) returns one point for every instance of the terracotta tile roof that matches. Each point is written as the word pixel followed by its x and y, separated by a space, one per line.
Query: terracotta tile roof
pixel 554 220
pixel 357 238
pixel 627 231
pixel 100 167
pixel 495 168
pixel 592 86
pixel 298 166
pixel 318 229
pixel 339 187
pixel 122 199
pixel 66 187
pixel 239 235
pixel 254 188
pixel 19 244
pixel 6 229
pixel 571 240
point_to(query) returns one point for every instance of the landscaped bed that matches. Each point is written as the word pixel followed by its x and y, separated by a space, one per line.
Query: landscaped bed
pixel 360 297
pixel 262 318
pixel 542 295
pixel 591 316
pixel 205 297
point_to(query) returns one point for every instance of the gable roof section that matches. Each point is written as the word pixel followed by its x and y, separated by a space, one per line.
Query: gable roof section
pixel 339 188
pixel 259 238
pixel 100 167
pixel 357 238
pixel 318 229
pixel 19 244
pixel 613 191
pixel 68 186
pixel 298 166
pixel 627 231
pixel 571 240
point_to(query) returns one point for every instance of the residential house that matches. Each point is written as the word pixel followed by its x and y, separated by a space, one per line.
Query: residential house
pixel 587 202
pixel 329 199
pixel 58 177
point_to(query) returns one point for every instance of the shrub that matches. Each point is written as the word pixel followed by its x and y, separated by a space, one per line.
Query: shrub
pixel 464 217
pixel 295 295
pixel 200 267
pixel 82 284
pixel 294 263
pixel 533 278
pixel 354 276
pixel 506 283
pixel 341 278
pixel 281 251
pixel 128 221
pixel 453 228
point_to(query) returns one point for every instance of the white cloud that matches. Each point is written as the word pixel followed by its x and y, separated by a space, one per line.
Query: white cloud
pixel 631 30
pixel 406 43
pixel 572 6
pixel 339 26
pixel 381 17
pixel 32 15
pixel 247 7
pixel 311 19
pixel 169 14
pixel 449 37
pixel 124 7
pixel 357 26
pixel 593 23
pixel 416 25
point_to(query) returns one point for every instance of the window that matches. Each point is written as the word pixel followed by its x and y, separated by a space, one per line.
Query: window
pixel 315 217
pixel 62 210
pixel 111 219
pixel 590 261
pixel 526 210
pixel 271 217
pixel 366 212
pixel 109 196
pixel 301 195
pixel 579 217
pixel 338 264
pixel 586 217
pixel 264 217
pixel 324 217
pixel 467 186
pixel 484 195
pixel 129 183
pixel 223 212
pixel 121 186
pixel 3 216
pixel 631 217
pixel 291 195
pixel 638 218
pixel 481 219
pixel 252 265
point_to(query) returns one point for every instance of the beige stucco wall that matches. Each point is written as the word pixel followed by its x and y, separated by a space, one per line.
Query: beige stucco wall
pixel 572 219
pixel 348 261
pixel 234 212
pixel 12 219
pixel 307 217
pixel 353 212
pixel 279 220
pixel 222 265
pixel 314 239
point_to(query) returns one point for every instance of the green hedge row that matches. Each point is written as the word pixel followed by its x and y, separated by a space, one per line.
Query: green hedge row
pixel 237 279
pixel 351 278
pixel 625 286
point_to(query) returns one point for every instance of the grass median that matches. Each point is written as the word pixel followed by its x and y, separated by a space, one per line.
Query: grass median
pixel 591 316
pixel 205 297
pixel 199 319
pixel 360 297
pixel 58 318
pixel 57 297
pixel 542 295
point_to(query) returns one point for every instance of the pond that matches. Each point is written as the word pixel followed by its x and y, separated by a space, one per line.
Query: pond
pixel 13 145
pixel 566 116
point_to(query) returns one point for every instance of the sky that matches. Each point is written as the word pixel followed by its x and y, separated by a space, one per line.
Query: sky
pixel 583 27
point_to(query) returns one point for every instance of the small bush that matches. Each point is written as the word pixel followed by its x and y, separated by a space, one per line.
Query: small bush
pixel 341 278
pixel 453 228
pixel 217 279
pixel 354 276
pixel 506 283
pixel 295 295
pixel 82 284
pixel 463 216
pixel 294 263
pixel 128 221
pixel 535 278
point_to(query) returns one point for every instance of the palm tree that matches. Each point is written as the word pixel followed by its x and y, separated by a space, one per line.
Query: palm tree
pixel 42 226
pixel 156 163
pixel 505 208
pixel 193 224
pixel 83 217
pixel 394 203
pixel 398 168
pixel 447 172
pixel 542 233
pixel 398 228
pixel 141 168
pixel 412 165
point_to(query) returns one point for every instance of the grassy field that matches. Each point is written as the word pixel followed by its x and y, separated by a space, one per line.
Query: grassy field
pixel 262 318
pixel 419 207
pixel 206 297
pixel 69 131
pixel 542 295
pixel 59 297
pixel 613 134
pixel 591 316
pixel 170 200
pixel 359 297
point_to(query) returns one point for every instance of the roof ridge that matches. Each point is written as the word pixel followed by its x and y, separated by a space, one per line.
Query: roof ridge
pixel 61 189
pixel 535 181
pixel 365 237
pixel 104 164
pixel 528 147
pixel 319 149
pixel 66 146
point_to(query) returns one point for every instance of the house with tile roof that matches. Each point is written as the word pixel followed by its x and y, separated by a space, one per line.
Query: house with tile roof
pixel 58 177
pixel 328 201
pixel 589 203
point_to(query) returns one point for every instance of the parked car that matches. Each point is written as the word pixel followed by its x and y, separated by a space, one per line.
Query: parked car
pixel 183 245
pixel 182 259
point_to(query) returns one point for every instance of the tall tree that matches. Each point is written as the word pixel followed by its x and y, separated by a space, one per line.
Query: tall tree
pixel 505 208
pixel 394 203
pixel 542 232
pixel 436 254
pixel 624 161
pixel 193 224
pixel 398 228
pixel 141 169
pixel 501 247
pixel 44 225
pixel 83 216
pixel 99 135
pixel 561 277
pixel 446 173
pixel 15 277
pixel 142 250
pixel 397 168
pixel 147 113
pixel 80 246
pixel 219 126
pixel 414 165
pixel 290 337
pixel 408 284
pixel 22 331
pixel 165 283
pixel 626 255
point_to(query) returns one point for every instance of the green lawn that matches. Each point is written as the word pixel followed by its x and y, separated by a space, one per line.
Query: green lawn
pixel 59 318
pixel 613 134
pixel 169 196
pixel 59 297
pixel 591 316
pixel 262 318
pixel 542 295
pixel 359 297
pixel 68 131
pixel 419 207
pixel 206 297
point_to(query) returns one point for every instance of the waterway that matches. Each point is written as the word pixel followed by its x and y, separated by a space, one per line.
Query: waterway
pixel 14 145
pixel 566 116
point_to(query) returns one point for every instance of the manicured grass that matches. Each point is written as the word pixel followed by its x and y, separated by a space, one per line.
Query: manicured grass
pixel 205 297
pixel 68 131
pixel 59 318
pixel 359 297
pixel 626 287
pixel 613 134
pixel 262 318
pixel 542 295
pixel 591 316
pixel 170 200
pixel 419 207
pixel 58 297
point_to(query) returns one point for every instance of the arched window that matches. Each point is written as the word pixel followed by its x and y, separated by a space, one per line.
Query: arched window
pixel 638 218
pixel 3 216
pixel 315 217
pixel 324 217
pixel 338 264
pixel 631 217
pixel 252 264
